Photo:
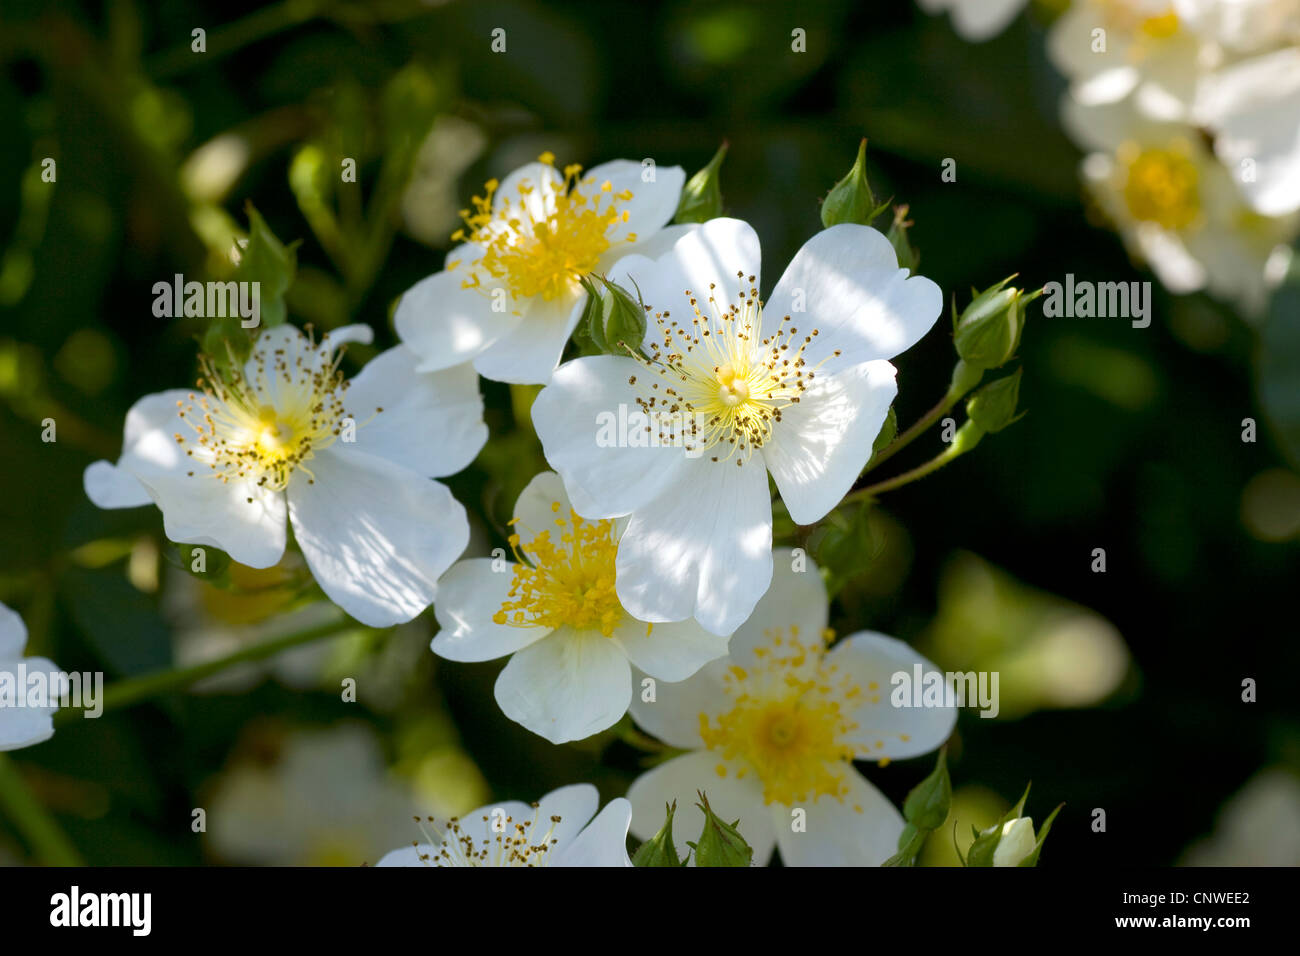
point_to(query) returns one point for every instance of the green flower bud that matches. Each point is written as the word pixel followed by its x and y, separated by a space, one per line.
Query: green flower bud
pixel 659 849
pixel 702 195
pixel 988 332
pixel 613 321
pixel 721 843
pixel 851 200
pixel 908 257
pixel 993 407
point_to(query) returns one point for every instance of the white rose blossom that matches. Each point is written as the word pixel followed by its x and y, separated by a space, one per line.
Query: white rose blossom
pixel 21 726
pixel 774 728
pixel 346 463
pixel 729 389
pixel 1177 208
pixel 509 295
pixel 1229 67
pixel 558 830
pixel 556 612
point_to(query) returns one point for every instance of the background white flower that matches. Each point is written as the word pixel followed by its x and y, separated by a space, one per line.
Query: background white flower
pixel 775 726
pixel 321 796
pixel 977 19
pixel 557 613
pixel 1177 207
pixel 735 389
pixel 556 831
pixel 21 726
pixel 228 463
pixel 509 296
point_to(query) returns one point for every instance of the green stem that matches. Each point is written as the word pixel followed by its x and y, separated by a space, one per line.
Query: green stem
pixel 964 378
pixel 135 689
pixel 967 437
pixel 33 821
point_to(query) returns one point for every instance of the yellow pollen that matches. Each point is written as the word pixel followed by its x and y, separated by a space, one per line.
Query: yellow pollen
pixel 1161 186
pixel 267 425
pixel 723 383
pixel 567 580
pixel 541 242
pixel 788 724
pixel 496 840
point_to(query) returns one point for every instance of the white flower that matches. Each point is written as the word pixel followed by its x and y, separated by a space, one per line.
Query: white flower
pixel 1016 843
pixel 348 463
pixel 1110 50
pixel 557 831
pixel 557 613
pixel 734 389
pixel 773 730
pixel 509 296
pixel 319 797
pixel 1177 207
pixel 20 725
pixel 1253 108
pixel 977 19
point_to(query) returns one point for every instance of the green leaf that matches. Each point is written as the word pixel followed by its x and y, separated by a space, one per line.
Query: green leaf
pixel 271 264
pixel 926 807
pixel 910 842
pixel 702 195
pixel 659 849
pixel 720 843
pixel 1032 858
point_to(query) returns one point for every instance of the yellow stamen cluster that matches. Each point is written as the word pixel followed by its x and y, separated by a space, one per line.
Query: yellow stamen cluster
pixel 725 384
pixel 515 843
pixel 567 580
pixel 265 427
pixel 540 243
pixel 787 723
pixel 1161 186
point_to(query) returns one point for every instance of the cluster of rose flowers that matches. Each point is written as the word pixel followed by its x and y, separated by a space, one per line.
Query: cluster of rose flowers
pixel 1189 111
pixel 644 578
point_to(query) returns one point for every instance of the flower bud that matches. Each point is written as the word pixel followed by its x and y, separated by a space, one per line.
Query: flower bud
pixel 702 195
pixel 851 200
pixel 659 849
pixel 993 407
pixel 1018 841
pixel 613 320
pixel 721 843
pixel 988 332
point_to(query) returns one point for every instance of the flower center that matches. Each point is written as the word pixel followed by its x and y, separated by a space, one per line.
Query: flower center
pixel 266 427
pixel 787 723
pixel 504 842
pixel 723 384
pixel 564 582
pixel 540 243
pixel 1161 186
